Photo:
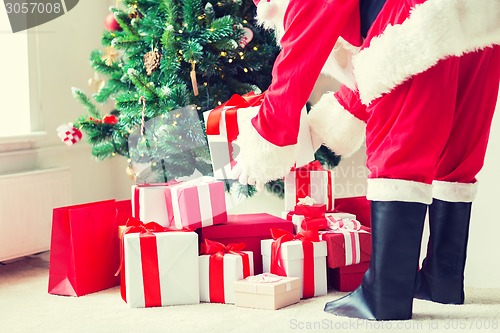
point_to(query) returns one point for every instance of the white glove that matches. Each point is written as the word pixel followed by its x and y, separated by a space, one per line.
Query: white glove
pixel 259 161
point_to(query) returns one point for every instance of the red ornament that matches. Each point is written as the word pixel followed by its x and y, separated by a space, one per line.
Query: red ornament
pixel 69 134
pixel 110 23
pixel 110 119
pixel 247 37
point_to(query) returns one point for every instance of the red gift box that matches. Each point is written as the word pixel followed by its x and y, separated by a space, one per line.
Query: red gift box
pixel 347 278
pixel 315 210
pixel 347 247
pixel 359 206
pixel 247 228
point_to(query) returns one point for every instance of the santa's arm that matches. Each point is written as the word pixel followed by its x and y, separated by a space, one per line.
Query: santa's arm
pixel 311 30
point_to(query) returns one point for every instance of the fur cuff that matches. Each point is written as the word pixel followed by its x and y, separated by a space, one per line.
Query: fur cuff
pixel 454 192
pixel 338 129
pixel 262 160
pixel 435 30
pixel 383 189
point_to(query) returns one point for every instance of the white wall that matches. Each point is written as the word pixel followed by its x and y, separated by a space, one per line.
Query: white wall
pixel 59 60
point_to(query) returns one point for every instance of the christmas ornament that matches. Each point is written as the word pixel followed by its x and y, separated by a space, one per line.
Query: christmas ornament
pixel 194 83
pixel 135 14
pixel 247 37
pixel 152 61
pixel 110 23
pixel 110 119
pixel 110 56
pixel 69 134
pixel 96 83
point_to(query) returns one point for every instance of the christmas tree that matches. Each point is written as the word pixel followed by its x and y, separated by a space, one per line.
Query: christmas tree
pixel 165 62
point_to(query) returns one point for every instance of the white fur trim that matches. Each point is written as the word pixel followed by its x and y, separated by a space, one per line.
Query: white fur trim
pixel 454 192
pixel 383 189
pixel 435 30
pixel 339 63
pixel 337 128
pixel 271 15
pixel 262 161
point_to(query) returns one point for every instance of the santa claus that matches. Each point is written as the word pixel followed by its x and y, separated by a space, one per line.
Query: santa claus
pixel 420 82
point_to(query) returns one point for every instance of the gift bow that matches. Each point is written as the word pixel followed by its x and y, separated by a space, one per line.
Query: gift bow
pixel 351 225
pixel 135 225
pixel 217 251
pixel 307 238
pixel 307 201
pixel 264 278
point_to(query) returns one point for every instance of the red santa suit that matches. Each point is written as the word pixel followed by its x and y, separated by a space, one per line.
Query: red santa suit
pixel 406 81
pixel 425 84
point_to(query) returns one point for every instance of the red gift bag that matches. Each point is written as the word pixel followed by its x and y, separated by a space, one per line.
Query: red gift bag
pixel 84 248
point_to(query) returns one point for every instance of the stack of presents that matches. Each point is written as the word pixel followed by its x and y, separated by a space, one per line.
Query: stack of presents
pixel 175 243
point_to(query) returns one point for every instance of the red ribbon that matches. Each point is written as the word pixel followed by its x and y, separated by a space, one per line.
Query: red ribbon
pixel 217 251
pixel 303 182
pixel 150 268
pixel 231 107
pixel 307 238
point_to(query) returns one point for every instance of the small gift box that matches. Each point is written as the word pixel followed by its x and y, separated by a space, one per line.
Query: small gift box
pixel 220 266
pixel 267 291
pixel 196 203
pixel 159 265
pixel 311 180
pixel 348 243
pixel 149 203
pixel 347 278
pixel 222 130
pixel 302 255
pixel 247 228
pixel 309 207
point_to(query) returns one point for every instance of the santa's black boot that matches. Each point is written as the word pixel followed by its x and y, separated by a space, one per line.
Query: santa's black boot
pixel 386 292
pixel 441 278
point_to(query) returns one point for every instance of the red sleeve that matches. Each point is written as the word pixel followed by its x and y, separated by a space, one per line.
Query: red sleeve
pixel 311 31
pixel 351 102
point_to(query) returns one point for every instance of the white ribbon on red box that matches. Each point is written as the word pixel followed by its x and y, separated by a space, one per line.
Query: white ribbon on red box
pixel 351 229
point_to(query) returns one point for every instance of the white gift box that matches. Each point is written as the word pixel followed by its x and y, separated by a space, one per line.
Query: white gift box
pixel 176 280
pixel 233 271
pixel 149 203
pixel 292 254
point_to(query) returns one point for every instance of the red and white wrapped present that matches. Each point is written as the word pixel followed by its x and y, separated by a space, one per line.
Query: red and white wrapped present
pixel 348 242
pixel 310 180
pixel 302 222
pixel 222 130
pixel 196 203
pixel 220 266
pixel 302 255
pixel 159 265
pixel 149 202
